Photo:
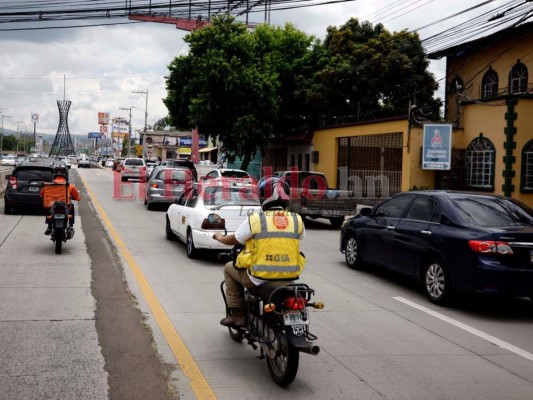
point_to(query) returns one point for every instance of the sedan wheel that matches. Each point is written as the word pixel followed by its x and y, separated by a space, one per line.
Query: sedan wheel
pixel 191 250
pixel 352 253
pixel 169 234
pixel 437 282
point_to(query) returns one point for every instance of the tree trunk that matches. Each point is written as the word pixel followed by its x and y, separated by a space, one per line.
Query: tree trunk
pixel 245 162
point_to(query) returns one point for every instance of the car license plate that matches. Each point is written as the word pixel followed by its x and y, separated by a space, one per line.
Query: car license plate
pixel 296 318
pixel 34 189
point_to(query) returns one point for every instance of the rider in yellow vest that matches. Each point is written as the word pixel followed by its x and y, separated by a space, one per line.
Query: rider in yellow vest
pixel 272 247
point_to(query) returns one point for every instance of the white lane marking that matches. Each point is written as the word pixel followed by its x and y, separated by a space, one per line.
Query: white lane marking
pixel 468 328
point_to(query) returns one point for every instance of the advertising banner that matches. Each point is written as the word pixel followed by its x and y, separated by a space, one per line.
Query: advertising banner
pixel 103 118
pixel 437 147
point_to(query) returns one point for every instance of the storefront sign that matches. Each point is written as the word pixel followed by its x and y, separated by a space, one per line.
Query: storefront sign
pixel 437 147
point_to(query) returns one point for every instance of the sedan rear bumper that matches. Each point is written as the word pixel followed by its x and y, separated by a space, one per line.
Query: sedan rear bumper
pixel 204 240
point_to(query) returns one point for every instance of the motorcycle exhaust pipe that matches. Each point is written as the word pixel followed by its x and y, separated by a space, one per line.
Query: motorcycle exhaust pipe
pixel 310 348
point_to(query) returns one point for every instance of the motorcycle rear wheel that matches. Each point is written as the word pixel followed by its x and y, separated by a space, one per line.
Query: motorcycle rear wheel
pixel 236 334
pixel 59 240
pixel 284 366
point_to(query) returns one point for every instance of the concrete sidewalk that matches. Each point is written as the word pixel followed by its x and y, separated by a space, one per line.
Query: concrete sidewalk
pixel 48 341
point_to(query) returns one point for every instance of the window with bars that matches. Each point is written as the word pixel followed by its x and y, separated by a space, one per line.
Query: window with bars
pixel 490 84
pixel 518 78
pixel 479 159
pixel 527 168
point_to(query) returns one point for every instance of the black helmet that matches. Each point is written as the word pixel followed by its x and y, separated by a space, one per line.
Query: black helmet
pixel 273 192
pixel 60 171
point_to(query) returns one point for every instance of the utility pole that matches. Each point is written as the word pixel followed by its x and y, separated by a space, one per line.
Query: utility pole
pixel 145 120
pixel 129 131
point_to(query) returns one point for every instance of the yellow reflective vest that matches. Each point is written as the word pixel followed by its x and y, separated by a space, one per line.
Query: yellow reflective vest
pixel 273 252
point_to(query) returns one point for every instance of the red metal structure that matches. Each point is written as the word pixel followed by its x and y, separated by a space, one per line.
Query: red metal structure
pixel 181 23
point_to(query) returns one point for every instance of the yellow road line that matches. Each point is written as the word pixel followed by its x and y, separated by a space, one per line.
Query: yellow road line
pixel 184 358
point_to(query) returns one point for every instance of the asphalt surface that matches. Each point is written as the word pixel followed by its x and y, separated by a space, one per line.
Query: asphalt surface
pixel 69 326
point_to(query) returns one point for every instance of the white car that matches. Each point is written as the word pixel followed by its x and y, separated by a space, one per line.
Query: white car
pixel 8 160
pixel 109 162
pixel 203 210
pixel 232 176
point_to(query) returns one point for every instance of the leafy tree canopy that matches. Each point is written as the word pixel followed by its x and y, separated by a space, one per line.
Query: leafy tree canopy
pixel 373 73
pixel 239 86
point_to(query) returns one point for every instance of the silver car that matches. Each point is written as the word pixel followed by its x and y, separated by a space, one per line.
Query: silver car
pixel 133 168
pixel 166 184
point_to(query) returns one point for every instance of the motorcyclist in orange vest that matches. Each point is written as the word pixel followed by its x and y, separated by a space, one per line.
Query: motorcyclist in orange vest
pixel 272 247
pixel 61 176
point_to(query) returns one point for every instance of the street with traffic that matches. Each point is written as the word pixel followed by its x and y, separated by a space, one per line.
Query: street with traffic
pixel 124 313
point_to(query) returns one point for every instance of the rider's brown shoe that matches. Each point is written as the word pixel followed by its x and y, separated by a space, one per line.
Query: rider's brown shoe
pixel 235 320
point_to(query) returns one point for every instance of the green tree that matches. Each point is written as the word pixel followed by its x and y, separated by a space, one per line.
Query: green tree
pixel 241 87
pixel 373 73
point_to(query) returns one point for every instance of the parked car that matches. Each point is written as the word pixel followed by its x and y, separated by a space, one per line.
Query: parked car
pixel 233 176
pixel 181 162
pixel 203 210
pixel 166 185
pixel 449 241
pixel 8 160
pixel 312 197
pixel 24 185
pixel 109 162
pixel 133 168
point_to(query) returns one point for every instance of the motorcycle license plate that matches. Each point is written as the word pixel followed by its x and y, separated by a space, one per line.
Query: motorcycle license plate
pixel 296 318
pixel 59 216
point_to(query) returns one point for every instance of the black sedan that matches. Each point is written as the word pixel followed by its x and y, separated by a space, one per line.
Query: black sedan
pixel 449 241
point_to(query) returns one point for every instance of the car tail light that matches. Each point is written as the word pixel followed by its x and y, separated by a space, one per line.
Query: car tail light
pixel 213 221
pixel 293 303
pixel 13 182
pixel 490 247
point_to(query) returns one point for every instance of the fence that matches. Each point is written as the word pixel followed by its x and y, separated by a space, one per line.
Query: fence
pixel 371 186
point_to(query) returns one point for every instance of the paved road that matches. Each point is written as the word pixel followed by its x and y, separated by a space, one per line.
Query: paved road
pixel 379 336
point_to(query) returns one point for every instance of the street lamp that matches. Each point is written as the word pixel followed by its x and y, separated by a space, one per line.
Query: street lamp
pixel 145 119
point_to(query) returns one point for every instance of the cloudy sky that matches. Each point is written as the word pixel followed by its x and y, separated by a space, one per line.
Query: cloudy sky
pixel 99 68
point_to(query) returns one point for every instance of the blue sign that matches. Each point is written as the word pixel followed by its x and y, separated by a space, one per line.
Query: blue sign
pixel 437 147
pixel 95 135
pixel 187 142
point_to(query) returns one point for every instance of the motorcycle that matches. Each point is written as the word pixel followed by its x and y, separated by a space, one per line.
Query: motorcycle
pixel 61 229
pixel 277 322
pixel 55 197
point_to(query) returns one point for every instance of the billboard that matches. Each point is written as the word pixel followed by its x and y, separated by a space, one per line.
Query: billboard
pixel 103 118
pixel 437 147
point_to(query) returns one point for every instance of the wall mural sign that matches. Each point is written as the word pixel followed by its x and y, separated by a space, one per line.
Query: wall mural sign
pixel 437 147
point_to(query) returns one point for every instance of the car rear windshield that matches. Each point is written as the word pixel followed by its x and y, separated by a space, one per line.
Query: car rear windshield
pixel 28 175
pixel 485 212
pixel 134 161
pixel 234 174
pixel 221 196
pixel 170 175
